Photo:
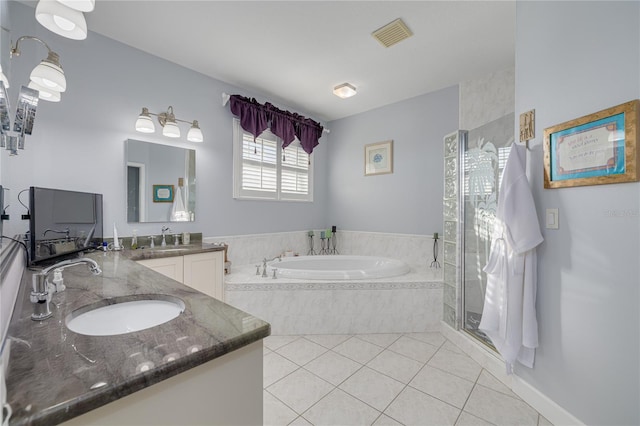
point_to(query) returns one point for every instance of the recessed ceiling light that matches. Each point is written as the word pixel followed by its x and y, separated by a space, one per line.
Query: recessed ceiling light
pixel 344 90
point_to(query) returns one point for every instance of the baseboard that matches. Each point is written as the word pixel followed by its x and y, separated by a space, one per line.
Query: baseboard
pixel 490 361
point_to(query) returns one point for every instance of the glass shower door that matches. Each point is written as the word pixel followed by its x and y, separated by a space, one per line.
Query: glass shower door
pixel 482 159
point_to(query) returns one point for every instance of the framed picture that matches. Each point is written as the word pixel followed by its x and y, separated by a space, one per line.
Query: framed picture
pixel 378 158
pixel 595 149
pixel 163 193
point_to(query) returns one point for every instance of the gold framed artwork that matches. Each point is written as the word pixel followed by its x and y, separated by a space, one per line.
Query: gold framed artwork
pixel 378 158
pixel 596 149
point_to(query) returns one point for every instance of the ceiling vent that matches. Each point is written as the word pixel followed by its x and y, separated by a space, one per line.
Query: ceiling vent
pixel 392 33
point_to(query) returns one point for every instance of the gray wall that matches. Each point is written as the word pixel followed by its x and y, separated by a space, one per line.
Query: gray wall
pixel 574 59
pixel 410 199
pixel 78 144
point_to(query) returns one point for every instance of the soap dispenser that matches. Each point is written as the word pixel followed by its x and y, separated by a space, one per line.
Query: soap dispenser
pixel 134 240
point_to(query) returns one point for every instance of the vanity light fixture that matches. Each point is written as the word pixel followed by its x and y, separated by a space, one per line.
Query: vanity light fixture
pixel 48 74
pixel 195 134
pixel 168 121
pixel 344 90
pixel 63 19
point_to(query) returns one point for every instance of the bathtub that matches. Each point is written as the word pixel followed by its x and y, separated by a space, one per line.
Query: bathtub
pixel 410 301
pixel 338 267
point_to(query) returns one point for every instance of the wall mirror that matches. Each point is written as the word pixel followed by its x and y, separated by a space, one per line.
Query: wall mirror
pixel 161 182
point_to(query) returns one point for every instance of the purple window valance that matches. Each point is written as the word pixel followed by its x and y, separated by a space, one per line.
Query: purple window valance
pixel 255 118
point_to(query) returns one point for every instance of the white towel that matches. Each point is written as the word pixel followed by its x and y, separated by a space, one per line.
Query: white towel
pixel 178 212
pixel 509 315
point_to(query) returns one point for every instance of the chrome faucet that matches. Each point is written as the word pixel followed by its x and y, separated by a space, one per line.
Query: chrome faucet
pixel 264 265
pixel 43 290
pixel 164 229
pixel 64 231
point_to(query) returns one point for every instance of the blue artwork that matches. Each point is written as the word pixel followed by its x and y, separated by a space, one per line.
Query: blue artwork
pixel 589 150
pixel 377 158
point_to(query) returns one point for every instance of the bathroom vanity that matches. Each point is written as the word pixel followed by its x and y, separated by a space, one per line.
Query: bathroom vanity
pixel 202 270
pixel 203 367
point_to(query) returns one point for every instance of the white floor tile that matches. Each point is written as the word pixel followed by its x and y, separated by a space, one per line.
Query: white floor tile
pixel 486 379
pixel 275 412
pixel 467 419
pixel 457 364
pixel 383 340
pixel 413 349
pixel 451 347
pixel 395 365
pixel 385 420
pixel 275 342
pixel 301 351
pixel 542 421
pixel 340 408
pixel 358 350
pixel 444 386
pixel 433 338
pixel 300 390
pixel 372 387
pixel 300 421
pixel 307 396
pixel 500 409
pixel 333 367
pixel 329 341
pixel 266 351
pixel 413 407
pixel 275 367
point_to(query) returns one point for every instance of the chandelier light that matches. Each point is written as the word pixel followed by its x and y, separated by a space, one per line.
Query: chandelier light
pixel 47 75
pixel 80 5
pixel 169 123
pixel 62 19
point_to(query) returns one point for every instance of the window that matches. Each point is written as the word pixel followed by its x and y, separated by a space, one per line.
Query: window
pixel 263 170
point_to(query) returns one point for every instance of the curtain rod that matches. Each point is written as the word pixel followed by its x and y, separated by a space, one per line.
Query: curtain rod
pixel 225 101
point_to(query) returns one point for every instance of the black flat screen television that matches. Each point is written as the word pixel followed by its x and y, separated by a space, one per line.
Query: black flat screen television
pixel 63 223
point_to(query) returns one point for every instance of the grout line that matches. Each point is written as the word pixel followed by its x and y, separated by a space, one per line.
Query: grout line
pixel 405 386
pixel 284 403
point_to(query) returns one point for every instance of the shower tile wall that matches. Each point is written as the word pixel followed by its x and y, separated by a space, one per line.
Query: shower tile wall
pixel 451 293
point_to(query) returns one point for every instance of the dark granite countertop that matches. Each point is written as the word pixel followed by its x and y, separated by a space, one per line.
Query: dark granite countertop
pixel 55 374
pixel 170 251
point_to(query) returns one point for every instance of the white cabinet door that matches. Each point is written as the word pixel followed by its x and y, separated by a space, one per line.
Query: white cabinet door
pixel 205 273
pixel 172 267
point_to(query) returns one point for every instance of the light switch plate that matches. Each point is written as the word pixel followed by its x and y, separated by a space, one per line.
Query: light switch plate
pixel 552 217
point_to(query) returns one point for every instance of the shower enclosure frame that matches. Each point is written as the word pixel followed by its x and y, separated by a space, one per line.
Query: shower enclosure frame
pixel 473 162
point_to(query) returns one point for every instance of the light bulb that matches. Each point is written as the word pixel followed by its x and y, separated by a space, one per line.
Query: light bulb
pixel 61 19
pixel 48 73
pixel 144 123
pixel 171 130
pixel 63 23
pixel 195 134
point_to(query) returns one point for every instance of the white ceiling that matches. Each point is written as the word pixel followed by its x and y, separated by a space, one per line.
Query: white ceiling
pixel 297 51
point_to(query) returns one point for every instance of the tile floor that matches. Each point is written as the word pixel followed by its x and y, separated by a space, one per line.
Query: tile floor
pixel 383 379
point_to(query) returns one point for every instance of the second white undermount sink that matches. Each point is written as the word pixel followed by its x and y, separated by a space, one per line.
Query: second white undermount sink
pixel 124 317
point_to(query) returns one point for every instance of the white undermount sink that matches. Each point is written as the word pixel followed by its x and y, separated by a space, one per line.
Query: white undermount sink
pixel 124 316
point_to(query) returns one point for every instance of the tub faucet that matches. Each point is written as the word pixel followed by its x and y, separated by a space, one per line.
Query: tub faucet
pixel 43 290
pixel 264 265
